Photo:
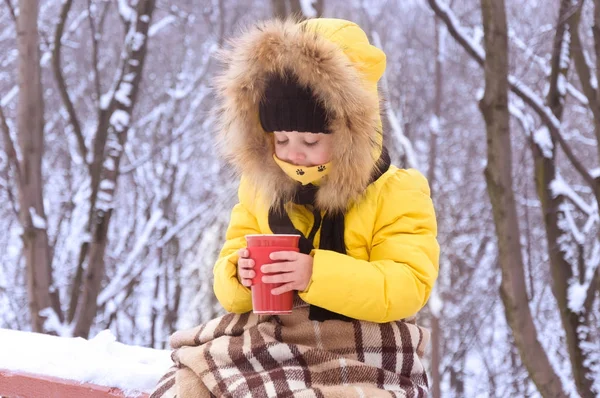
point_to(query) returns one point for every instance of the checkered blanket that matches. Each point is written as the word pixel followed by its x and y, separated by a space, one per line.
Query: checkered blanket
pixel 247 355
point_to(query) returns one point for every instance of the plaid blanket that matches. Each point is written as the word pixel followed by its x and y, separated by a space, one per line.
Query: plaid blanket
pixel 248 355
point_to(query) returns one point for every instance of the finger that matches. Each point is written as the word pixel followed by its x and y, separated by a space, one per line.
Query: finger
pixel 243 253
pixel 279 278
pixel 247 274
pixel 282 289
pixel 288 266
pixel 247 282
pixel 284 256
pixel 246 263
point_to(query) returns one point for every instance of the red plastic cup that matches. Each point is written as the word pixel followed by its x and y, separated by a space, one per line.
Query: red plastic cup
pixel 260 247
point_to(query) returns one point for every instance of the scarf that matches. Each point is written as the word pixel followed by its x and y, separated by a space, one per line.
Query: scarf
pixel 303 174
pixel 332 228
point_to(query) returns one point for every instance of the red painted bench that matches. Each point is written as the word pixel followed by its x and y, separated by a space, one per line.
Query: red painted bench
pixel 26 385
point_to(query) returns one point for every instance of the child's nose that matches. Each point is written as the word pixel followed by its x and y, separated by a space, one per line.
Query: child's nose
pixel 296 156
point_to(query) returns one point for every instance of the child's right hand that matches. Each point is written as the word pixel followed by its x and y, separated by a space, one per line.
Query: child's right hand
pixel 245 267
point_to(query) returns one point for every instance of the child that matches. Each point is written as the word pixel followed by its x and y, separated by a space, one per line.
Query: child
pixel 300 122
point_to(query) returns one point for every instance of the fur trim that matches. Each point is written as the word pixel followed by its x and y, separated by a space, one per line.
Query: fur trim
pixel 288 47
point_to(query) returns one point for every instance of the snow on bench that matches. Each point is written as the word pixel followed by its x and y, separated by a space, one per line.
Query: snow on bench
pixel 39 365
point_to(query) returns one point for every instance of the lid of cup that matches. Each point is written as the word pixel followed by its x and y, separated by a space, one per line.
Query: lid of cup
pixel 253 235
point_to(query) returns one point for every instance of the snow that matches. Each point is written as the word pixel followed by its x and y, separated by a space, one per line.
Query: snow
pixel 101 360
pixel 120 120
pixel 129 77
pixel 435 302
pixel 577 293
pixel 559 187
pixel 479 94
pixel 127 13
pixel 8 97
pixel 38 221
pixel 163 23
pixel 588 61
pixel 525 120
pixel 543 63
pixel 434 124
pixel 544 142
pixel 308 9
pixel 107 185
pixel 105 100
pixel 130 268
pixel 105 197
pixel 564 49
pixel 109 164
pixel 122 95
pixel 138 41
pixel 562 85
pixel 473 42
pixel 53 324
pixel 573 228
pixel 516 84
pixel 535 100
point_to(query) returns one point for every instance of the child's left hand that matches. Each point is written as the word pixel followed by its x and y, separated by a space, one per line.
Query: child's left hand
pixel 296 271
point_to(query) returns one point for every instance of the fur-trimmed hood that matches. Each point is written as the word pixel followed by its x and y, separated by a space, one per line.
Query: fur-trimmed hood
pixel 332 57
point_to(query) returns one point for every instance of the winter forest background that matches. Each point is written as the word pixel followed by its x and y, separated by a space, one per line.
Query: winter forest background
pixel 114 204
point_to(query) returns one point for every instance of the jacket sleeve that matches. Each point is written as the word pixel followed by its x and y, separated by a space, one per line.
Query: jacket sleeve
pixel 232 295
pixel 403 264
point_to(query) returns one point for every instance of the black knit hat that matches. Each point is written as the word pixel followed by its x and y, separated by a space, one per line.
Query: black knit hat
pixel 287 106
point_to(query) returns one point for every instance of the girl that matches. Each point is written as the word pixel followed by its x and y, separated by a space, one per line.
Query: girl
pixel 300 121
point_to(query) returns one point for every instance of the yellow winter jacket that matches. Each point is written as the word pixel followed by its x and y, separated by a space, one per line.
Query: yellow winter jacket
pixel 390 228
pixel 392 252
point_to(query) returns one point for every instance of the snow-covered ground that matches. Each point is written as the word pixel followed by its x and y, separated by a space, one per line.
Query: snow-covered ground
pixel 101 360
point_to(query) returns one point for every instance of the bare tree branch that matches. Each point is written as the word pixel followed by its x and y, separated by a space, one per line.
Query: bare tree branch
pixel 62 87
pixel 221 35
pixel 95 36
pixel 115 118
pixel 13 161
pixel 9 147
pixel 584 70
pixel 516 86
pixel 11 10
pixel 494 107
pixel 106 108
pixel 545 174
pixel 593 288
pixel 596 32
pixel 319 7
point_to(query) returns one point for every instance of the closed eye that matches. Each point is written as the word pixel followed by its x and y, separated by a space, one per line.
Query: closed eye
pixel 311 143
pixel 281 142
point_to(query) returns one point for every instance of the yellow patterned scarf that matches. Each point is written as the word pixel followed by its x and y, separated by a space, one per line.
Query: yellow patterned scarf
pixel 304 174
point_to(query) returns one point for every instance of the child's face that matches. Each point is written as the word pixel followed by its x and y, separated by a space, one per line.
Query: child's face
pixel 303 149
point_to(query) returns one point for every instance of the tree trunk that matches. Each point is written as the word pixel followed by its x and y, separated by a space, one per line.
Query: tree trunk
pixel 30 126
pixel 279 8
pixel 498 173
pixel 596 33
pixel 112 131
pixel 573 323
pixel 436 346
pixel 457 379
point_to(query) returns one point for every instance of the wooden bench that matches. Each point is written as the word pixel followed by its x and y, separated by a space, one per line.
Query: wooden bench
pixel 26 385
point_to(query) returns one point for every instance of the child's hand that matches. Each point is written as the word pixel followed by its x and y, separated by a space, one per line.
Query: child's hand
pixel 245 267
pixel 296 271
